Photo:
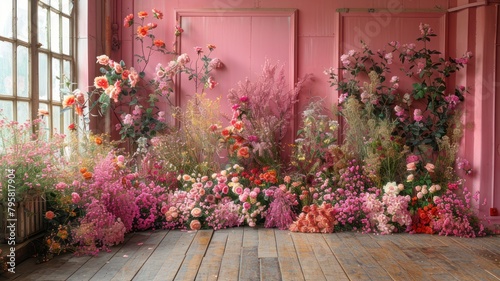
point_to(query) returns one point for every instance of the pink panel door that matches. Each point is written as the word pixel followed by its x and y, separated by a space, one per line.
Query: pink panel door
pixel 243 40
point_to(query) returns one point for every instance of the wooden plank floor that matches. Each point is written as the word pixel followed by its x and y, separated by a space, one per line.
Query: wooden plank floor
pixel 268 254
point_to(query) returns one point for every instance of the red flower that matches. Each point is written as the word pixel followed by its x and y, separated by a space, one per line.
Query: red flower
pixel 178 30
pixel 142 14
pixel 159 43
pixel 72 127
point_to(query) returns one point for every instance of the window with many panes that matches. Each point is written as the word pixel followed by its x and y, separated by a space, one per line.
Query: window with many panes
pixel 36 49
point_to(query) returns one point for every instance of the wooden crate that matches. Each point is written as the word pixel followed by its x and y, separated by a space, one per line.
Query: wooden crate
pixel 30 218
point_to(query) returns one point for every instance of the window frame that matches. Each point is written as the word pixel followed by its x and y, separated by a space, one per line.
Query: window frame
pixel 35 49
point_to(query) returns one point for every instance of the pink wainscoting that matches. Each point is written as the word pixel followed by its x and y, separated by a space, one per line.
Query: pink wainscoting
pixel 324 33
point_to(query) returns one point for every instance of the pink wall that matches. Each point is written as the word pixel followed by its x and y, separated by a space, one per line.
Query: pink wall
pixel 323 34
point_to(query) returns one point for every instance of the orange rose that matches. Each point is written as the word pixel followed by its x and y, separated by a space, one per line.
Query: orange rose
pixel 98 140
pixel 142 14
pixel 159 43
pixel 83 170
pixel 87 175
pixel 142 31
pixel 69 101
pixel 101 82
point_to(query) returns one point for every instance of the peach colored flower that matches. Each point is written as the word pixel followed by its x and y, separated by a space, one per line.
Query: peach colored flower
pixel 243 152
pixel 118 68
pixel 101 82
pixel 102 60
pixel 142 14
pixel 196 212
pixel 128 21
pixel 69 101
pixel 133 77
pixel 195 225
pixel 50 215
pixel 43 112
pixel 411 166
pixel 211 47
pixel 429 167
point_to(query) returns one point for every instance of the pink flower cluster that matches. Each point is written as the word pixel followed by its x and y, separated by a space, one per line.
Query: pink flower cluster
pixel 388 215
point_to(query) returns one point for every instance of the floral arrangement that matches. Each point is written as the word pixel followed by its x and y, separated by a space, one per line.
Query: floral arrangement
pixel 379 179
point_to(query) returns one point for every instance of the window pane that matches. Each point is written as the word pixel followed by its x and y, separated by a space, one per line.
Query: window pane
pixel 7 109
pixel 6 19
pixel 66 39
pixel 23 81
pixel 67 121
pixel 6 79
pixel 45 1
pixel 56 119
pixel 54 33
pixel 56 83
pixel 67 69
pixel 22 20
pixel 67 6
pixel 42 27
pixel 23 111
pixel 45 126
pixel 55 3
pixel 43 69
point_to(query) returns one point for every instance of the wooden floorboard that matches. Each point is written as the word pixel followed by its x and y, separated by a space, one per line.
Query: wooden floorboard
pixel 270 254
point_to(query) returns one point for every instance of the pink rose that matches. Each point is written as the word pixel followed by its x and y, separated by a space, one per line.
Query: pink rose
pixel 411 166
pixel 429 167
pixel 196 212
pixel 195 225
pixel 75 197
pixel 417 115
pixel 102 60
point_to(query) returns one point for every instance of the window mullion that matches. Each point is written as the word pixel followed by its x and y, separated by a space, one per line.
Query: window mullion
pixel 34 57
